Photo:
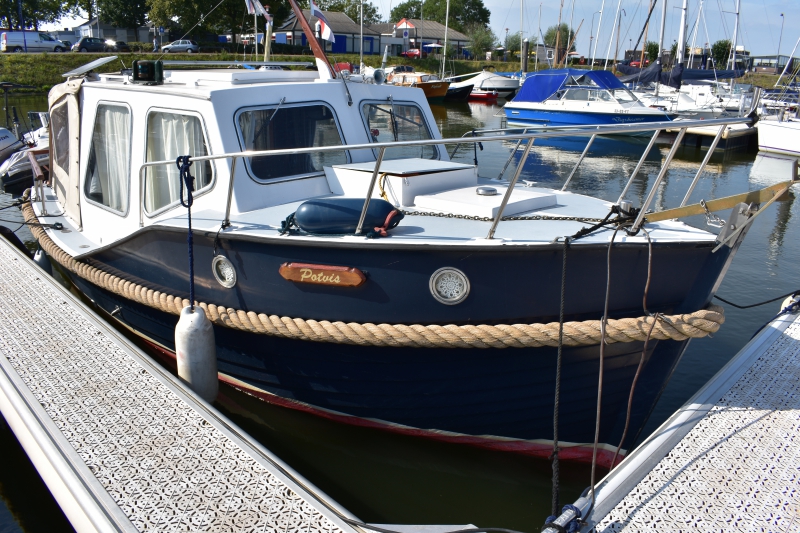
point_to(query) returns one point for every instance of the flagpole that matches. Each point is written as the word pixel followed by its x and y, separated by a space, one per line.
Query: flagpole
pixel 312 41
pixel 267 38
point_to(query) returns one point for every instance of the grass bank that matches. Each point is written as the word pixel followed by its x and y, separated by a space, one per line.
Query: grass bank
pixel 42 71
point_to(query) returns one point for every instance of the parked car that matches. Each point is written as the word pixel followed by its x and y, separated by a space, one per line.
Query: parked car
pixel 89 44
pixel 117 46
pixel 638 63
pixel 184 45
pixel 34 41
pixel 414 53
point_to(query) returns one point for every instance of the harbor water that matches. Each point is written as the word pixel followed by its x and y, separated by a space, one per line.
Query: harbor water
pixel 386 478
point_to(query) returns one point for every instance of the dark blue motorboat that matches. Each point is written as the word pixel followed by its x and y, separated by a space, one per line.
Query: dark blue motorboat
pixel 426 311
pixel 572 97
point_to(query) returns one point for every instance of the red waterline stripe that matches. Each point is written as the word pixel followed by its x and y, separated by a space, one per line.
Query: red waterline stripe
pixel 580 453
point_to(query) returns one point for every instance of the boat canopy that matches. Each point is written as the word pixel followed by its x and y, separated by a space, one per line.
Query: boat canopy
pixel 673 78
pixel 540 86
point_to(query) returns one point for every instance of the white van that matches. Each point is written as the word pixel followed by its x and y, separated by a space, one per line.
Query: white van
pixel 13 41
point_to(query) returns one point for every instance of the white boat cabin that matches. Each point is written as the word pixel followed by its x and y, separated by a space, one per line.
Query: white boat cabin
pixel 106 128
pixel 114 126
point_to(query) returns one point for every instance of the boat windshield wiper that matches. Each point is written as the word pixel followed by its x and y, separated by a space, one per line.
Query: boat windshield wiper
pixel 268 122
pixel 393 118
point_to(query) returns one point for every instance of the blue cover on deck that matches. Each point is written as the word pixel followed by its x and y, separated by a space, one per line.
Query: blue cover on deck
pixel 540 86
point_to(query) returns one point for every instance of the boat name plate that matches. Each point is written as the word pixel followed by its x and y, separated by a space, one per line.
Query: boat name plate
pixel 338 276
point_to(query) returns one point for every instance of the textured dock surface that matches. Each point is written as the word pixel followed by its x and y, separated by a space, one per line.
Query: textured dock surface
pixel 152 456
pixel 729 460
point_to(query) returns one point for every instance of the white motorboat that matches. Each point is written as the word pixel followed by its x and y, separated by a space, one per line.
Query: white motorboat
pixel 486 82
pixel 779 136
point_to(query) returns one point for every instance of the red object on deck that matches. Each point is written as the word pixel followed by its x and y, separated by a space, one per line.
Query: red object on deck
pixel 483 96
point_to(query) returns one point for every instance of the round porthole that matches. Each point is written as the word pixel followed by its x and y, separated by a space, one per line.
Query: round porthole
pixel 223 270
pixel 449 286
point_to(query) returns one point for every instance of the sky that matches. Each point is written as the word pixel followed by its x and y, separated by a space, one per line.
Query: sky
pixel 759 31
pixel 760 21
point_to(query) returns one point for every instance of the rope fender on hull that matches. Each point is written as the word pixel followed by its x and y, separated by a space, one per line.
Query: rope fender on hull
pixel 675 327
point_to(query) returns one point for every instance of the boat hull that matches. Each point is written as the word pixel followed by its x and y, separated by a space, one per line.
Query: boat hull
pixel 495 398
pixel 555 117
pixel 483 96
pixel 779 137
pixel 458 94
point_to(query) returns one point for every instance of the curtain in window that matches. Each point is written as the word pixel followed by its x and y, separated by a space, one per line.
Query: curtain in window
pixel 107 173
pixel 287 128
pixel 170 135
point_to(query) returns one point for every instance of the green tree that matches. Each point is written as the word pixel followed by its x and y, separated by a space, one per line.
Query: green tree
pixel 411 9
pixel 721 51
pixel 123 13
pixel 512 43
pixel 563 41
pixel 463 13
pixel 481 38
pixel 34 13
pixel 651 50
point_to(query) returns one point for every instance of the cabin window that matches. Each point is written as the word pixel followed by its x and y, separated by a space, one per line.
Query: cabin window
pixel 388 122
pixel 170 135
pixel 108 166
pixel 286 128
pixel 59 126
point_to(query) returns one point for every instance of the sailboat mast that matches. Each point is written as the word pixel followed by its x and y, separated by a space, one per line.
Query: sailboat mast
pixel 521 58
pixel 661 36
pixel 444 50
pixel 538 36
pixel 735 36
pixel 599 23
pixel 608 52
pixel 696 31
pixel 558 33
pixel 681 51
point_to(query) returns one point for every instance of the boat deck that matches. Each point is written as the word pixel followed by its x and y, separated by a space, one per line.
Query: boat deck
pixel 121 444
pixel 726 461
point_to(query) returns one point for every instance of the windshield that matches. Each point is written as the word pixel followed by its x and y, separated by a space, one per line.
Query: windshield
pixel 391 121
pixel 285 128
pixel 623 95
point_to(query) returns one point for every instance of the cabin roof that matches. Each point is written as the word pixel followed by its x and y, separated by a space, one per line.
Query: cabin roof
pixel 338 21
pixel 202 82
pixel 423 29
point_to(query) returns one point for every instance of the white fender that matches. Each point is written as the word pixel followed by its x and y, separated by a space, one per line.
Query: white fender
pixel 197 353
pixel 41 259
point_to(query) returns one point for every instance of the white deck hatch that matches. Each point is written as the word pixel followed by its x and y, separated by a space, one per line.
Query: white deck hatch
pixel 468 202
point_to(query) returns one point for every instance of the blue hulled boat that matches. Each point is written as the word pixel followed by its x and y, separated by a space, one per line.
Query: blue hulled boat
pixel 571 97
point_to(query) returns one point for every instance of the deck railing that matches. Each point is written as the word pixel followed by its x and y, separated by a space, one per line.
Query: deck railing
pixel 528 137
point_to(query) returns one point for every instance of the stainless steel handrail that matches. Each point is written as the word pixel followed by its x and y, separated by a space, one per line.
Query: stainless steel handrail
pixel 568 131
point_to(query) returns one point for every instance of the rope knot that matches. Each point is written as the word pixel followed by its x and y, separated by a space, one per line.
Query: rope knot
pixel 184 163
pixel 380 231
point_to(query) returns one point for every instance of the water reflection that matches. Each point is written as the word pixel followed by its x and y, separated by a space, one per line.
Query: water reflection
pixel 384 477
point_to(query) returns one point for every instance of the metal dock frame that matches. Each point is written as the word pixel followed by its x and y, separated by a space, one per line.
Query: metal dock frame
pixel 725 461
pixel 122 444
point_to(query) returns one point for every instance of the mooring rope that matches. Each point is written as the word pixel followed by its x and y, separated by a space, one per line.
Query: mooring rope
pixel 557 399
pixel 586 333
pixel 184 163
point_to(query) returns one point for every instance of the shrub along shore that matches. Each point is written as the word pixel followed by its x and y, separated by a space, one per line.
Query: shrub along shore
pixel 44 70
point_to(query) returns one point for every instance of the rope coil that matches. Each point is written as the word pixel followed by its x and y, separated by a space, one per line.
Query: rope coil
pixel 675 327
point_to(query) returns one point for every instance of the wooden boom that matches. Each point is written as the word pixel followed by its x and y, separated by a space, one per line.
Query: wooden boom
pixel 757 197
pixel 319 53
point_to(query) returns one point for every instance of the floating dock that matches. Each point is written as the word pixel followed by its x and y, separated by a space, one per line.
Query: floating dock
pixel 728 460
pixel 734 136
pixel 121 443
